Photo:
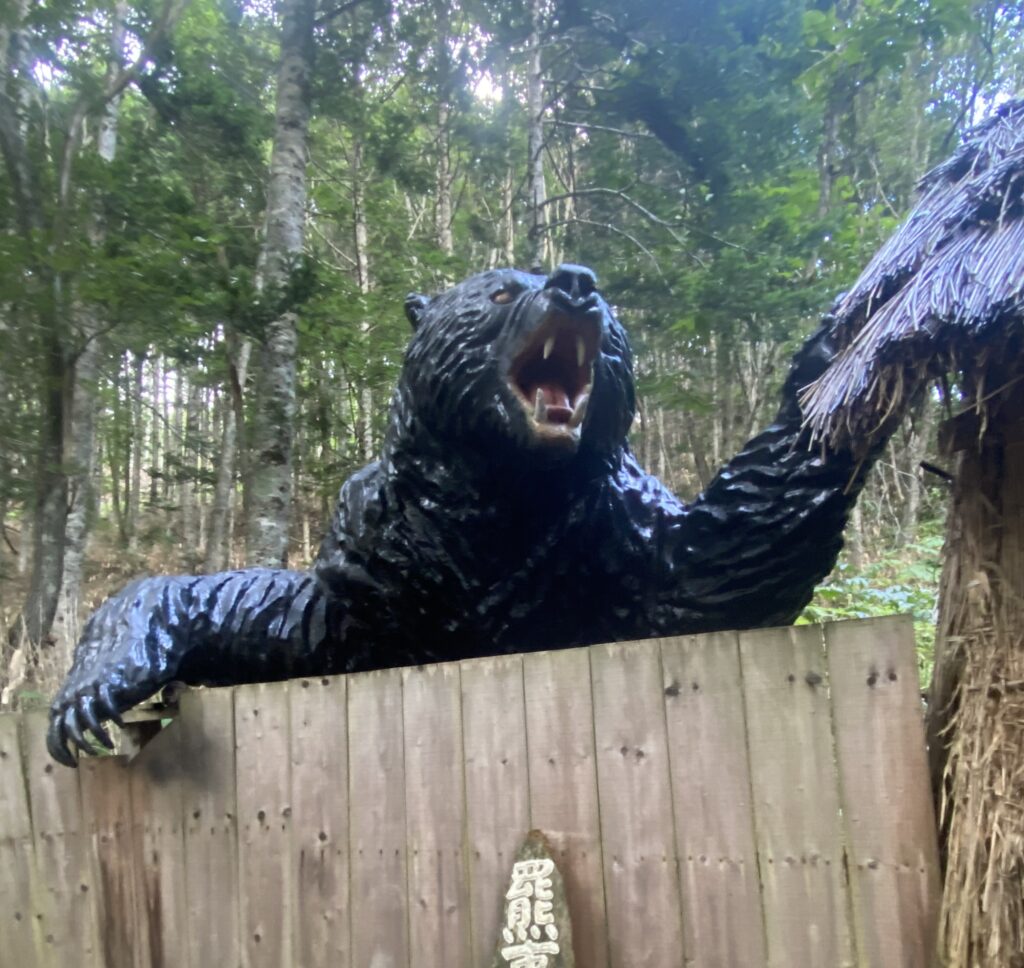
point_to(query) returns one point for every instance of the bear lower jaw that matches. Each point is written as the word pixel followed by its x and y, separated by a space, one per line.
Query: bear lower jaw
pixel 557 425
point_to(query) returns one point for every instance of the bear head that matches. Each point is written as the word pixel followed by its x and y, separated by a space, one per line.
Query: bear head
pixel 514 361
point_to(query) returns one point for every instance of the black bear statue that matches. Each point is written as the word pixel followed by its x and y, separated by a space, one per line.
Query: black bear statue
pixel 506 513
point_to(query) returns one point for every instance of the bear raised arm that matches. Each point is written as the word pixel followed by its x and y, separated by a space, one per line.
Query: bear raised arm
pixel 506 513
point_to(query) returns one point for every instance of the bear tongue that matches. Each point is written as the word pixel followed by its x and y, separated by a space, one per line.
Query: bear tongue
pixel 557 407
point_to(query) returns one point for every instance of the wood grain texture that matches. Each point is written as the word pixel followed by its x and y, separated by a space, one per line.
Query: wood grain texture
pixel 563 787
pixel 796 798
pixel 371 821
pixel 722 916
pixel 497 787
pixel 378 892
pixel 156 776
pixel 319 798
pixel 883 770
pixel 207 722
pixel 435 806
pixel 107 811
pixel 20 928
pixel 640 871
pixel 263 803
pixel 66 888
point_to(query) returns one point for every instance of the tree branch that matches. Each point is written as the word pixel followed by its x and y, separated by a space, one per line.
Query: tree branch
pixel 649 215
pixel 653 218
pixel 172 10
pixel 599 127
pixel 328 15
pixel 609 228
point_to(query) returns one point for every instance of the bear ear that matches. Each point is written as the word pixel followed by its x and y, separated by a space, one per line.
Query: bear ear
pixel 415 306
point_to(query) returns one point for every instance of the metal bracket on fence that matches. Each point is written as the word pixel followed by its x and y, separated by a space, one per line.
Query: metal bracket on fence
pixel 143 722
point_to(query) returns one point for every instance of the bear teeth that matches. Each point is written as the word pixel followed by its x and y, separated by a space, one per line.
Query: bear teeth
pixel 580 411
pixel 581 351
pixel 549 345
pixel 539 410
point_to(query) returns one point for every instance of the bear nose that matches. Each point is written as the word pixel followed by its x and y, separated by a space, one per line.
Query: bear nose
pixel 575 287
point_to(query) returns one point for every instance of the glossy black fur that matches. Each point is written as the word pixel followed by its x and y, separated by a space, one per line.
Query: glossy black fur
pixel 469 537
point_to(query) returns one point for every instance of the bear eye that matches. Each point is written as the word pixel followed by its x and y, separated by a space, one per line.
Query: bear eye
pixel 504 295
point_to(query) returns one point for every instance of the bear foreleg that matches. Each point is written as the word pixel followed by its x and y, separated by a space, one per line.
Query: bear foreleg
pixel 240 626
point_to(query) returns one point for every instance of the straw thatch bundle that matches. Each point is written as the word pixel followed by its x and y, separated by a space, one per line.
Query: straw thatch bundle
pixel 976 713
pixel 941 291
pixel 945 295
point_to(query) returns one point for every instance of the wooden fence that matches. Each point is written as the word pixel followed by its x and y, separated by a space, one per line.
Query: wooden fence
pixel 733 800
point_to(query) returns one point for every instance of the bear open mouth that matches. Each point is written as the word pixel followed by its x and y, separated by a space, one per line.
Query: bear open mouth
pixel 553 373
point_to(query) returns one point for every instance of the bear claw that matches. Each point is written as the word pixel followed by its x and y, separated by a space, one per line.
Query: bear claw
pixel 69 721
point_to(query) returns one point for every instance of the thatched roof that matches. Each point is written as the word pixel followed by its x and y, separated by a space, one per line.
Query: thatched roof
pixel 945 292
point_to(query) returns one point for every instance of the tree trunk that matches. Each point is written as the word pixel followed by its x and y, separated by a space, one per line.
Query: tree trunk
pixel 508 218
pixel 137 443
pixel 189 470
pixel 218 545
pixel 51 504
pixel 364 279
pixel 25 545
pixel 113 448
pixel 444 212
pixel 155 432
pixel 855 538
pixel 81 449
pixel 539 243
pixel 270 475
pixel 917 449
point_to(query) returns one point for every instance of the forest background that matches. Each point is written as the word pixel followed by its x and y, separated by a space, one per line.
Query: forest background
pixel 211 211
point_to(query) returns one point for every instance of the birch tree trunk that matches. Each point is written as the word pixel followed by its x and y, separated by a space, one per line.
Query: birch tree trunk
pixel 539 247
pixel 443 177
pixel 364 279
pixel 507 225
pixel 270 477
pixel 444 213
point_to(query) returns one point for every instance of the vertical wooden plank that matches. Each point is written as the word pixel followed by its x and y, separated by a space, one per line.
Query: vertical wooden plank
pixel 18 894
pixel 319 798
pixel 796 798
pixel 640 869
pixel 156 776
pixel 107 811
pixel 207 721
pixel 722 918
pixel 67 922
pixel 435 798
pixel 563 787
pixel 887 805
pixel 378 889
pixel 263 792
pixel 497 787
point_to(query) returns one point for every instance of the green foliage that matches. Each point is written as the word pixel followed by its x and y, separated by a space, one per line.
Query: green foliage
pixel 900 582
pixel 727 168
